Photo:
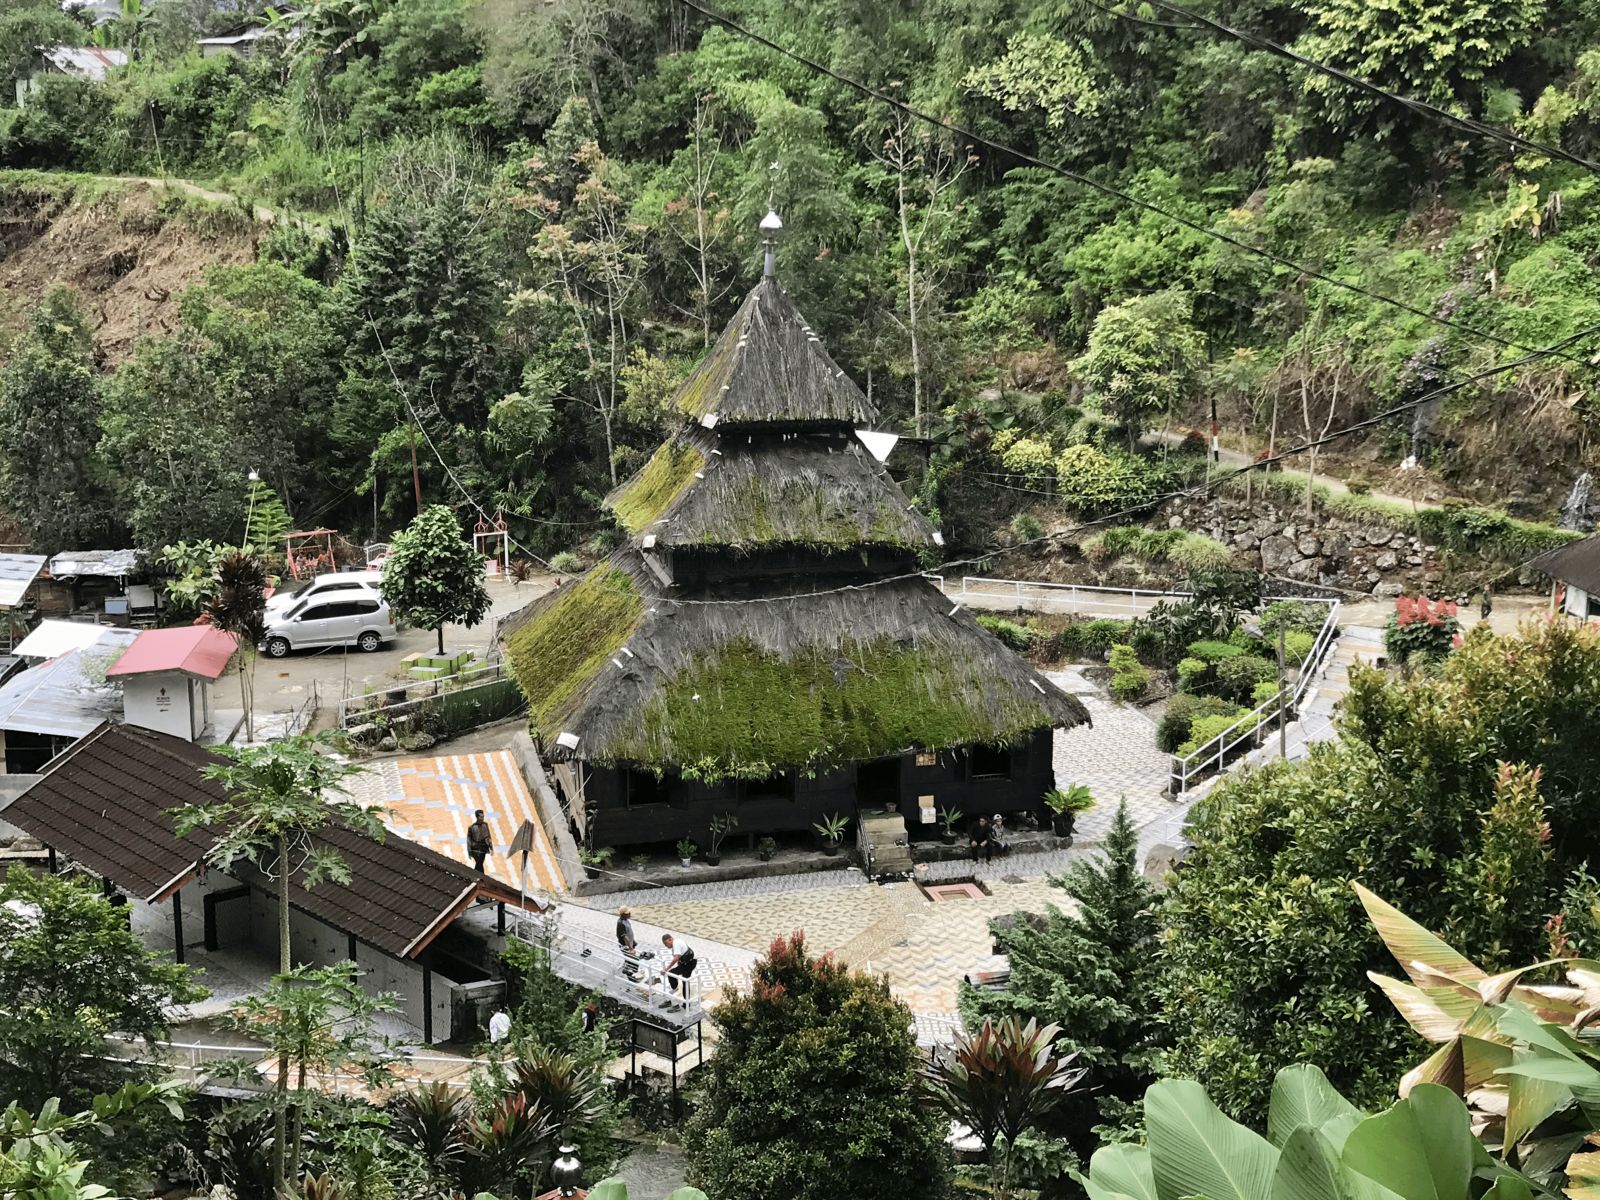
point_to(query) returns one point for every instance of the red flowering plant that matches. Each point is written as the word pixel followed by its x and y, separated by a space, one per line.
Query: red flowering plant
pixel 1422 630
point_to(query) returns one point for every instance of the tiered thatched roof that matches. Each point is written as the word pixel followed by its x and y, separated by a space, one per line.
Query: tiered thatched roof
pixel 803 659
pixel 806 681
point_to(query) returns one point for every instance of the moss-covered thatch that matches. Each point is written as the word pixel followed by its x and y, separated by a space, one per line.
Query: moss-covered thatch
pixel 642 499
pixel 557 650
pixel 769 367
pixel 797 682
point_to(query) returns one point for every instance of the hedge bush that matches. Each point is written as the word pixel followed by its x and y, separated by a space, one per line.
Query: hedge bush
pixel 1296 646
pixel 1212 651
pixel 1090 639
pixel 1183 710
pixel 1129 677
pixel 1092 481
pixel 1193 673
pixel 1204 729
pixel 566 563
pixel 1237 677
pixel 1019 637
pixel 1303 616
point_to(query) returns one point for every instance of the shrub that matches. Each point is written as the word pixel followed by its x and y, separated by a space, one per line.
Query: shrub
pixel 1192 673
pixel 1184 709
pixel 1204 729
pixel 1213 652
pixel 1196 552
pixel 1029 458
pixel 1019 637
pixel 1245 640
pixel 1163 632
pixel 1304 616
pixel 566 563
pixel 1129 677
pixel 1296 646
pixel 1263 692
pixel 1091 639
pixel 1420 630
pixel 1025 527
pixel 1092 482
pixel 1237 677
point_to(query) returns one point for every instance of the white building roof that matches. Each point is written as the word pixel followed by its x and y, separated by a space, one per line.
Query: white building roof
pixel 113 564
pixel 54 638
pixel 17 573
pixel 87 62
pixel 67 696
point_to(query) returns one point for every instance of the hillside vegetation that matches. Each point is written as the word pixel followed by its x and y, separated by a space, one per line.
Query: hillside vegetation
pixel 541 211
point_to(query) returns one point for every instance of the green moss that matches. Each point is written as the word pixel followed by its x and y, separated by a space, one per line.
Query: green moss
pixel 560 647
pixel 646 496
pixel 700 391
pixel 759 511
pixel 743 712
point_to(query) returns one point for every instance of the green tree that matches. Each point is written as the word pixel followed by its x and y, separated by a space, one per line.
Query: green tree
pixel 812 1092
pixel 1143 358
pixel 72 972
pixel 41 1155
pixel 316 1021
pixel 1428 799
pixel 1092 969
pixel 26 25
pixel 238 605
pixel 51 475
pixel 433 576
pixel 276 797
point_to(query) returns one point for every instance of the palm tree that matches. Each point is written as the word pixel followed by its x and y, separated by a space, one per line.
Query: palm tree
pixel 277 797
pixel 237 605
pixel 998 1082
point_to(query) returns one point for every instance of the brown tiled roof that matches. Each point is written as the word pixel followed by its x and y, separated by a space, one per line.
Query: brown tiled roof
pixel 107 803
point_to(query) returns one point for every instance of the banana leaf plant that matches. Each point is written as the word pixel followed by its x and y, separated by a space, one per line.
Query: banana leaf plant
pixel 1318 1146
pixel 1522 1055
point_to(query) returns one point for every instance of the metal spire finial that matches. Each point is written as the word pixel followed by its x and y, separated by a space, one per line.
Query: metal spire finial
pixel 771 224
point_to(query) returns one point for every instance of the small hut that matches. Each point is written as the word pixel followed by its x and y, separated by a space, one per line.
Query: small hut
pixel 764 644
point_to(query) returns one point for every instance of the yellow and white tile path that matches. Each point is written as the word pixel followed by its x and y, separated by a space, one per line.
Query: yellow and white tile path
pixel 430 801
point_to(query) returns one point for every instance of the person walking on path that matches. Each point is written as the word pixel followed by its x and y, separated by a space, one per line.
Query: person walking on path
pixel 479 840
pixel 1487 606
pixel 625 937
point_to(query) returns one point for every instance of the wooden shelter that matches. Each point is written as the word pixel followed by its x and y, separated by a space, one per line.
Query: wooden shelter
pixel 764 644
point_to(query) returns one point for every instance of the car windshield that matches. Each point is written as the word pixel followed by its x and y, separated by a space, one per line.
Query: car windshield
pixel 298 589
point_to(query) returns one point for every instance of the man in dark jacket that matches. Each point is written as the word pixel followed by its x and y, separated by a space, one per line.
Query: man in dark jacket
pixel 478 840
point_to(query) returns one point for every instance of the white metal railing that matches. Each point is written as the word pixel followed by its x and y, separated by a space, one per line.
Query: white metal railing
pixel 361 707
pixel 591 959
pixel 1083 598
pixel 1281 707
pixel 192 1061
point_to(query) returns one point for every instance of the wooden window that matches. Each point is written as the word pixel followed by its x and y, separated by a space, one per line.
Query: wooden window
pixel 989 762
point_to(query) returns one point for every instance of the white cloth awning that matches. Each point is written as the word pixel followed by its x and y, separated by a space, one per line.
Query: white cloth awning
pixel 54 638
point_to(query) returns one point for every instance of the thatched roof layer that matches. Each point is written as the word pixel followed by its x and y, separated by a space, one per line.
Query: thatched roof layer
pixel 768 367
pixel 800 681
pixel 744 491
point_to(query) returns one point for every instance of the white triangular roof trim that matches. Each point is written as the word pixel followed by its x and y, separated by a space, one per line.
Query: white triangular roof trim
pixel 878 444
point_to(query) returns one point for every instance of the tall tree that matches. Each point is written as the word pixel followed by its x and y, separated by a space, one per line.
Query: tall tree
pixel 698 218
pixel 1090 966
pixel 52 478
pixel 812 1093
pixel 434 576
pixel 72 972
pixel 277 796
pixel 1143 358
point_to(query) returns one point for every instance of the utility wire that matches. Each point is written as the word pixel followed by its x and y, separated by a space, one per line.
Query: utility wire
pixel 1421 107
pixel 1103 188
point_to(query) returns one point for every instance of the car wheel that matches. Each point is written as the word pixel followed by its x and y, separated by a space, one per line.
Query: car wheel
pixel 277 647
pixel 369 641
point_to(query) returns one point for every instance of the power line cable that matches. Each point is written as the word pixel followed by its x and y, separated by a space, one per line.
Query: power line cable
pixel 1095 184
pixel 1422 107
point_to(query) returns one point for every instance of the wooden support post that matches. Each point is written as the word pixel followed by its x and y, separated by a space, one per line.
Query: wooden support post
pixel 52 860
pixel 500 918
pixel 427 1006
pixel 352 947
pixel 177 927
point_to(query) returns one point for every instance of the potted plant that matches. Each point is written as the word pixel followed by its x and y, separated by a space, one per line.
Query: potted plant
pixel 720 825
pixel 831 829
pixel 594 860
pixel 766 848
pixel 1066 804
pixel 949 818
pixel 686 849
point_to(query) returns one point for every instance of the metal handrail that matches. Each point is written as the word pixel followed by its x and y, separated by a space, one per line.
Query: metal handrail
pixel 489 672
pixel 599 961
pixel 1281 706
pixel 988 587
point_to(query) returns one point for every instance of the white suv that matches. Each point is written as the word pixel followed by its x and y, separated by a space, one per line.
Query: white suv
pixel 344 585
pixel 340 618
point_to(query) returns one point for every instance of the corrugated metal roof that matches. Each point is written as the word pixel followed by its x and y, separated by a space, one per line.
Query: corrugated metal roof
pixel 199 650
pixel 89 62
pixel 67 696
pixel 109 563
pixel 1576 563
pixel 17 573
pixel 53 638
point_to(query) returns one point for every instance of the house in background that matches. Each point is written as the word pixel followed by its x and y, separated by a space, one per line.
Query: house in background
pixel 47 708
pixel 106 805
pixel 94 581
pixel 240 44
pixel 1574 570
pixel 81 62
pixel 19 574
pixel 166 677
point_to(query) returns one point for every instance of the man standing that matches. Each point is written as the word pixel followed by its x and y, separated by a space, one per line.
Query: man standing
pixel 625 937
pixel 478 840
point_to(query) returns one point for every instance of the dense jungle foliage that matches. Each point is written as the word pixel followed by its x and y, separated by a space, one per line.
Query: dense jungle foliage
pixel 525 219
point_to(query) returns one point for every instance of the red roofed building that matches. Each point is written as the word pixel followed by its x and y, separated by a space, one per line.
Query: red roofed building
pixel 167 676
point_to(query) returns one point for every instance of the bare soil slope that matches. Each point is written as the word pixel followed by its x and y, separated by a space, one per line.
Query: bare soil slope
pixel 128 248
